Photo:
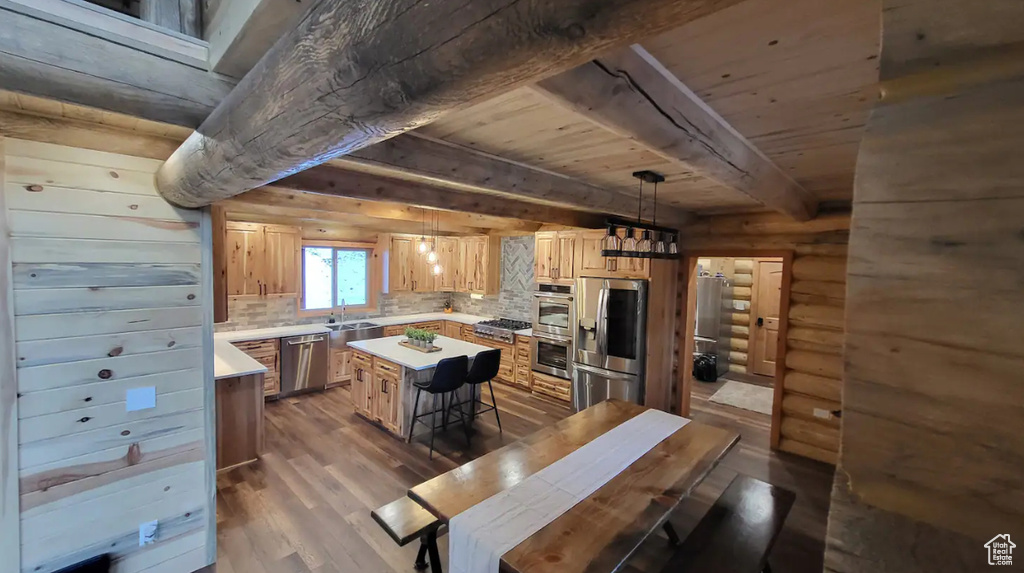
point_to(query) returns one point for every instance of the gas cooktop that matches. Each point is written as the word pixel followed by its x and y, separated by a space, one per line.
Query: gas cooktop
pixel 502 329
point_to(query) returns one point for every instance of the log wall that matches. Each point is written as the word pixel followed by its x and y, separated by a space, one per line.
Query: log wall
pixel 109 295
pixel 933 431
pixel 811 402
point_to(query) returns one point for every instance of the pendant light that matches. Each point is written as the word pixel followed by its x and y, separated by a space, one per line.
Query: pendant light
pixel 659 243
pixel 673 247
pixel 612 242
pixel 422 247
pixel 432 255
pixel 437 261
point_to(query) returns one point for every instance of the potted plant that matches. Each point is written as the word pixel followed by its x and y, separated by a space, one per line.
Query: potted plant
pixel 429 339
pixel 410 334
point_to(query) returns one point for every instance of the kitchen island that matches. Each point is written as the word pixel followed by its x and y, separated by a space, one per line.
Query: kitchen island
pixel 384 373
pixel 239 399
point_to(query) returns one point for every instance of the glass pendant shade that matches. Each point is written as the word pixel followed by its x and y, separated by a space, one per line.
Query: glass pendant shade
pixel 629 245
pixel 645 245
pixel 437 269
pixel 423 246
pixel 612 242
pixel 432 256
pixel 659 243
pixel 673 248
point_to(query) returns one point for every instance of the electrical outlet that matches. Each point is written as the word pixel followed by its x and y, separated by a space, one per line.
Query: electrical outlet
pixel 147 532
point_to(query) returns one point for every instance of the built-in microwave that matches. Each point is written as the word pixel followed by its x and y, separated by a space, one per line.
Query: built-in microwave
pixel 554 312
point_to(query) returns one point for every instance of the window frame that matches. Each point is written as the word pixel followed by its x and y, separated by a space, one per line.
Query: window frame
pixel 371 277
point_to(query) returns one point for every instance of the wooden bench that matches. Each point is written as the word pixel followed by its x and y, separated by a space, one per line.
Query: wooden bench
pixel 737 533
pixel 405 520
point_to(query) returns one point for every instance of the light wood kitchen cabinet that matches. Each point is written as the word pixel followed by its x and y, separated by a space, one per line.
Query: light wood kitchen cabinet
pixel 591 263
pixel 479 265
pixel 453 329
pixel 395 329
pixel 262 259
pixel 266 352
pixel 423 279
pixel 362 383
pixel 385 394
pixel 524 371
pixel 434 326
pixel 506 367
pixel 553 387
pixel 401 259
pixel 341 366
pixel 468 334
pixel 448 258
pixel 555 256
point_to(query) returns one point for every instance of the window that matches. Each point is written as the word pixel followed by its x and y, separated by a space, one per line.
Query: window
pixel 333 276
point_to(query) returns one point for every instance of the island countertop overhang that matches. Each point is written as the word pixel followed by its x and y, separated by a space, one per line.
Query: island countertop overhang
pixel 389 349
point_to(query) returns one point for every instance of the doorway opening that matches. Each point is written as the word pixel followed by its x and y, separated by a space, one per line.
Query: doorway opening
pixel 733 353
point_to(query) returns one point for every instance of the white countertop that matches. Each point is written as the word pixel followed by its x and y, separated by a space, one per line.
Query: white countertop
pixel 229 361
pixel 426 316
pixel 389 349
pixel 276 332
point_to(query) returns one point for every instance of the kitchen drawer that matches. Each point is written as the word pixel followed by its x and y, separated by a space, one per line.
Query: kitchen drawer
pixel 523 350
pixel 524 376
pixel 362 359
pixel 386 368
pixel 506 374
pixel 553 387
pixel 257 346
pixel 432 326
pixel 271 384
pixel 395 329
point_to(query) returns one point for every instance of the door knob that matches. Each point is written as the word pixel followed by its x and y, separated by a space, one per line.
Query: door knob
pixel 760 321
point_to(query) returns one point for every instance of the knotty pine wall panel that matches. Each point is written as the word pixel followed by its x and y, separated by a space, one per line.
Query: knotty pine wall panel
pixel 108 296
pixel 811 400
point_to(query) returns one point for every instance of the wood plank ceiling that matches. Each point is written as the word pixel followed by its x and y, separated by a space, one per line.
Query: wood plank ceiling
pixel 796 78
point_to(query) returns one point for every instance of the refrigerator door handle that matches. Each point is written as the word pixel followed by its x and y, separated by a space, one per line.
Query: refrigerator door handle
pixel 609 374
pixel 602 323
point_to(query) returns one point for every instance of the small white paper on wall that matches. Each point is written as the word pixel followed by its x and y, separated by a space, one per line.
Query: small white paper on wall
pixel 140 398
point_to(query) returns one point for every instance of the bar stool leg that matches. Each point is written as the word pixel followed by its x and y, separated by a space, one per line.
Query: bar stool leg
pixel 464 418
pixel 673 537
pixel 494 403
pixel 415 404
pixel 433 428
pixel 435 557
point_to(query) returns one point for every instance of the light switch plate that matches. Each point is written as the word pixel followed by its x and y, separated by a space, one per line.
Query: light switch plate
pixel 147 532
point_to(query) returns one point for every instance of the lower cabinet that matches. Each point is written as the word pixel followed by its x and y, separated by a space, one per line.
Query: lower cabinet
pixel 266 352
pixel 507 368
pixel 341 366
pixel 434 326
pixel 453 329
pixel 468 335
pixel 376 390
pixel 395 329
pixel 552 386
pixel 524 371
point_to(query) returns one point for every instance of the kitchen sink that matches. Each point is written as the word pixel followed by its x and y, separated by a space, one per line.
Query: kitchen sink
pixel 342 334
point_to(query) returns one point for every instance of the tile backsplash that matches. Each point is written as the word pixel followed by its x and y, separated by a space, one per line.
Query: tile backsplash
pixel 513 301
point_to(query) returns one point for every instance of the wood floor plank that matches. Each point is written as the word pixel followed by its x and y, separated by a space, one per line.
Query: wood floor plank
pixel 317 449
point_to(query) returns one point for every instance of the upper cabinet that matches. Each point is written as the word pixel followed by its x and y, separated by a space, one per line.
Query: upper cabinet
pixel 262 259
pixel 555 257
pixel 562 256
pixel 468 264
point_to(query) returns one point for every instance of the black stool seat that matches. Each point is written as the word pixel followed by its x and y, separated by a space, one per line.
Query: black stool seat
pixel 485 368
pixel 449 376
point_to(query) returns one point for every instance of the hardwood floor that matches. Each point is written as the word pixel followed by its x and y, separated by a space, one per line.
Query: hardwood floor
pixel 305 506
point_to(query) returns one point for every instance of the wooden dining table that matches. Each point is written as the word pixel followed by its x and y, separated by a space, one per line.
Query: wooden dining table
pixel 602 531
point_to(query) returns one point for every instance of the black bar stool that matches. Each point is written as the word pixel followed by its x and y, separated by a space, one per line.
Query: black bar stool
pixel 449 376
pixel 484 369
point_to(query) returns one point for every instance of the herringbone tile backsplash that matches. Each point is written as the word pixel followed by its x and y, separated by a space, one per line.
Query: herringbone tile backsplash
pixel 513 301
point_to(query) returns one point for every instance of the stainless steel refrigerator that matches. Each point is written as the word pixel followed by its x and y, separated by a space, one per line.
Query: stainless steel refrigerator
pixel 610 338
pixel 712 334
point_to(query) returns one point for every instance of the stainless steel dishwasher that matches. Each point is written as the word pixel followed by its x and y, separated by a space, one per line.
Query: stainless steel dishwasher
pixel 304 363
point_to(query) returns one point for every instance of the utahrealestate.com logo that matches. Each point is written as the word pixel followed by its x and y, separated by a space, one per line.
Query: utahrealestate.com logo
pixel 1000 550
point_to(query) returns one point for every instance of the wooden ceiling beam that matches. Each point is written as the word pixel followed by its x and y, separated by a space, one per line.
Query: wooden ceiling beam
pixel 272 196
pixel 414 157
pixel 333 180
pixel 630 93
pixel 318 217
pixel 347 77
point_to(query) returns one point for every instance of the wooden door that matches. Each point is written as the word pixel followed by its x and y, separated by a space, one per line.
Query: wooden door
pixel 566 258
pixel 283 246
pixel 386 401
pixel 245 258
pixel 765 316
pixel 400 261
pixel 545 247
pixel 448 255
pixel 341 366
